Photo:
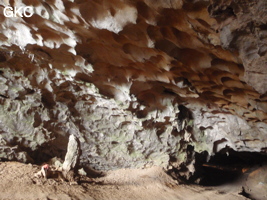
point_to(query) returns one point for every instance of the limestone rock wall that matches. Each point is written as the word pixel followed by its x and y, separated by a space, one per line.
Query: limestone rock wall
pixel 138 82
pixel 242 27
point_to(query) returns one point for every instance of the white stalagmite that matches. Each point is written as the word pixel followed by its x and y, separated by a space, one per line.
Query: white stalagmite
pixel 72 154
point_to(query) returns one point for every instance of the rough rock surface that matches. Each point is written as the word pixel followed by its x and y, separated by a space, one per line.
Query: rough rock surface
pixel 242 26
pixel 72 155
pixel 139 83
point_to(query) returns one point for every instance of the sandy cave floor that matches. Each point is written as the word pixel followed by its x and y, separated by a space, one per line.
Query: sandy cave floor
pixel 18 182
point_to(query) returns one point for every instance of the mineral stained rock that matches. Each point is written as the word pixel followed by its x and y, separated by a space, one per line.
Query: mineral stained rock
pixel 137 82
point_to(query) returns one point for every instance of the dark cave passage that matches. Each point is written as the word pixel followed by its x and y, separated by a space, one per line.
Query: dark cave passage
pixel 225 167
pixel 228 166
pixel 215 175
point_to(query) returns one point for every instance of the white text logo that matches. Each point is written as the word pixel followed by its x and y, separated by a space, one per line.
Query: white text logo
pixel 18 12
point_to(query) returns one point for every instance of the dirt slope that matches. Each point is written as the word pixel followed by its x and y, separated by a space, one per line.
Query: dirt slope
pixel 18 182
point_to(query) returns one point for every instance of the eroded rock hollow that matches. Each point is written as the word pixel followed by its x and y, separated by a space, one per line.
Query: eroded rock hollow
pixel 139 83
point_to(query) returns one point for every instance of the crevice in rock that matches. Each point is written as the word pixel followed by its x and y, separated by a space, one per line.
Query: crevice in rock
pixel 184 117
pixel 245 194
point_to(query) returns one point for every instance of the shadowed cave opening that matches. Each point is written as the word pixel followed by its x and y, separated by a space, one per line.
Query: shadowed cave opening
pixel 224 167
pixel 227 166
